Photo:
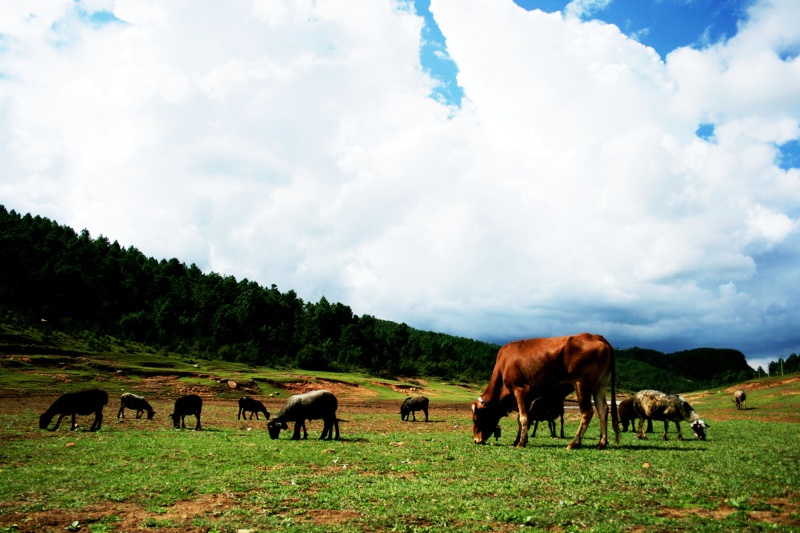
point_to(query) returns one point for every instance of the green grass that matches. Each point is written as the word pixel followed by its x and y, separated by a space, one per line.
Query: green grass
pixel 384 475
pixel 407 477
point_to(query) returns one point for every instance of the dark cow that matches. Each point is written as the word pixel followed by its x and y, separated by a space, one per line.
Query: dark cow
pixel 627 416
pixel 739 398
pixel 656 405
pixel 416 403
pixel 252 406
pixel 83 402
pixel 135 403
pixel 533 368
pixel 547 409
pixel 311 405
pixel 191 404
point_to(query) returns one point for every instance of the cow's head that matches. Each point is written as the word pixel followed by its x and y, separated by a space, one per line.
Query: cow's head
pixel 699 427
pixel 274 427
pixel 484 421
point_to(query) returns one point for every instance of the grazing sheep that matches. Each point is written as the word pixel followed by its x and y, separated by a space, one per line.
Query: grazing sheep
pixel 314 405
pixel 627 416
pixel 740 398
pixel 253 406
pixel 190 404
pixel 83 402
pixel 547 409
pixel 135 403
pixel 415 403
pixel 656 405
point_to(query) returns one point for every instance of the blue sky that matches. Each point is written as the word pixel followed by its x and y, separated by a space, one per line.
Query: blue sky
pixel 487 168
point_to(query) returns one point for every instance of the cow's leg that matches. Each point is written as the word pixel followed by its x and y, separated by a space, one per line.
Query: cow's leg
pixel 426 414
pixel 562 425
pixel 602 412
pixel 551 425
pixel 535 427
pixel 584 394
pixel 678 427
pixel 666 425
pixel 414 415
pixel 522 407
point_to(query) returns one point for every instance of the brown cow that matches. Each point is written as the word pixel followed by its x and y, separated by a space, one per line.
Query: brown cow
pixel 739 398
pixel 533 368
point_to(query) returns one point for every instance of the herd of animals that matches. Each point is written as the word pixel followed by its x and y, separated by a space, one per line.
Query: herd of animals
pixel 532 376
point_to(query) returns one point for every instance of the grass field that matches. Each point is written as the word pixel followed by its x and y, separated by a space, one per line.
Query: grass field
pixel 384 474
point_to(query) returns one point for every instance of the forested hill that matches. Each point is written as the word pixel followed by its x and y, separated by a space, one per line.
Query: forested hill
pixel 78 283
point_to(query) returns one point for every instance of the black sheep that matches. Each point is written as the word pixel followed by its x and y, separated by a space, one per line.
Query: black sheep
pixel 627 416
pixel 547 409
pixel 190 404
pixel 307 406
pixel 135 403
pixel 415 403
pixel 83 402
pixel 253 406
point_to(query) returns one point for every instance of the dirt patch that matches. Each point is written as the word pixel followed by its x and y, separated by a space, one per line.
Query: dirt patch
pixel 124 516
pixel 341 389
pixel 747 387
pixel 781 512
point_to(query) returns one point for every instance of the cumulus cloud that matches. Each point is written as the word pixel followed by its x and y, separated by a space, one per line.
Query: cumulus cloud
pixel 297 143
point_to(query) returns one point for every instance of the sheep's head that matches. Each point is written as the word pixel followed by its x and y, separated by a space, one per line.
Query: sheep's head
pixel 44 421
pixel 176 419
pixel 150 415
pixel 274 427
pixel 699 427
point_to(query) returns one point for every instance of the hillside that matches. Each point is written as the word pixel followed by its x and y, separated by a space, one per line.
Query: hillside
pixel 55 281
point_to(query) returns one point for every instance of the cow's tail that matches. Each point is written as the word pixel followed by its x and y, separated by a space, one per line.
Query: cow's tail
pixel 614 412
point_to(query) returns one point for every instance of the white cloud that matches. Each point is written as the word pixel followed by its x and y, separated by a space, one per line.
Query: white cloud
pixel 296 143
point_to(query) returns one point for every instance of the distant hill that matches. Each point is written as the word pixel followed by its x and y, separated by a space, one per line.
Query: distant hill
pixel 57 280
pixel 640 368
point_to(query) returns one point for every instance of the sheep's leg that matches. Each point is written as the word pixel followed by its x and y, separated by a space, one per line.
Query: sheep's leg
pixel 74 424
pixel 327 430
pixel 58 422
pixel 678 427
pixel 426 415
pixel 297 426
pixel 562 425
pixel 239 414
pixel 551 425
pixel 336 425
pixel 640 431
pixel 197 415
pixel 121 411
pixel 666 424
pixel 414 415
pixel 535 427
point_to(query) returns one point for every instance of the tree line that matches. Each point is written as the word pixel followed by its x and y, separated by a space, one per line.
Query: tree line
pixel 76 282
pixel 79 283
